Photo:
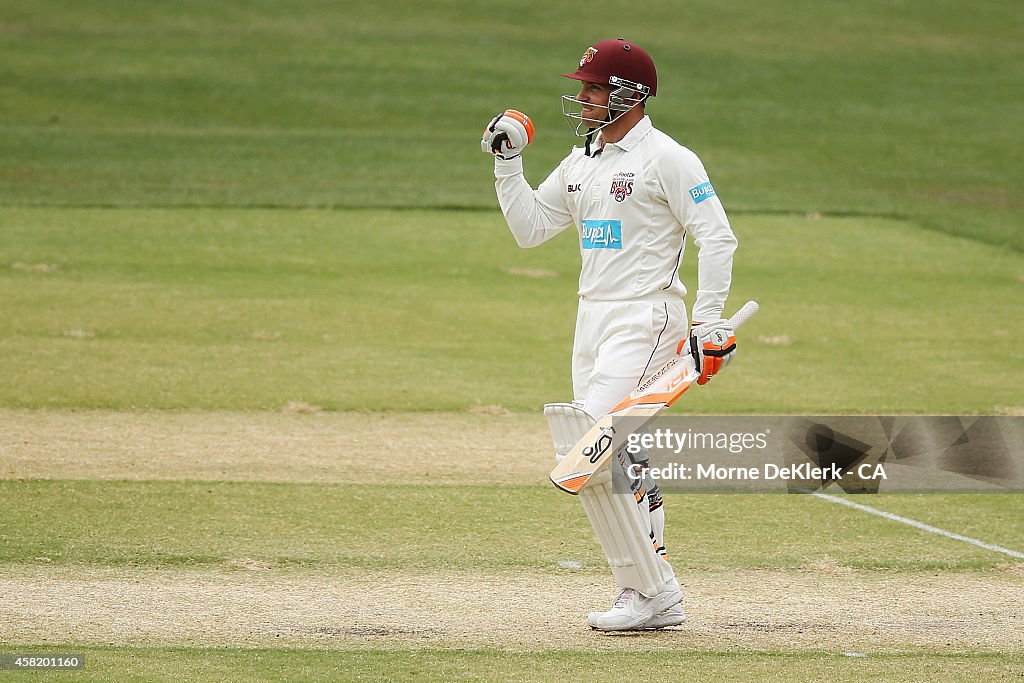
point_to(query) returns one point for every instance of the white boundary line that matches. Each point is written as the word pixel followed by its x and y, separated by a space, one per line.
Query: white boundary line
pixel 918 525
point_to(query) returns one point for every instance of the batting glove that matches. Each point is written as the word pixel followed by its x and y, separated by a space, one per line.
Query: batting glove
pixel 507 134
pixel 712 346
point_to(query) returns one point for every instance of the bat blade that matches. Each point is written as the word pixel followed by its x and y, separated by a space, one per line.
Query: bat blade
pixel 611 433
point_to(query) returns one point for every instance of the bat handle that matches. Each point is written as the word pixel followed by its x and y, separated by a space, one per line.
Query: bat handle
pixel 744 314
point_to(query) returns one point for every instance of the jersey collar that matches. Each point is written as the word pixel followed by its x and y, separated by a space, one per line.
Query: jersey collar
pixel 634 136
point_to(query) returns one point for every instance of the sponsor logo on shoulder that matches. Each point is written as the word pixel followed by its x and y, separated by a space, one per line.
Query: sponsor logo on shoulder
pixel 601 234
pixel 701 192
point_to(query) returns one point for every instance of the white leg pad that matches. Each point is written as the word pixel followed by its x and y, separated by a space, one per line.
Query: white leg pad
pixel 568 423
pixel 625 535
pixel 621 527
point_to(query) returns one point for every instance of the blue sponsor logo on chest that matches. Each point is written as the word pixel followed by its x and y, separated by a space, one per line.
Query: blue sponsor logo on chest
pixel 702 192
pixel 601 234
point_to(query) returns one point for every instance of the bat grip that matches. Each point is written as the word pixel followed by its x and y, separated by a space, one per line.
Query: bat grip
pixel 741 316
pixel 744 314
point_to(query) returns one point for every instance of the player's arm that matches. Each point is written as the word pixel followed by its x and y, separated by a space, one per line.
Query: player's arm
pixel 693 200
pixel 533 216
pixel 695 204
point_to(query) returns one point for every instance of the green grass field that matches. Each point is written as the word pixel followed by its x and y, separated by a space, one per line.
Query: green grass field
pixel 226 229
pixel 334 527
pixel 251 309
pixel 313 665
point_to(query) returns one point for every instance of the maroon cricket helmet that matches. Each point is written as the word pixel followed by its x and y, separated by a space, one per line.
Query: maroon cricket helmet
pixel 611 61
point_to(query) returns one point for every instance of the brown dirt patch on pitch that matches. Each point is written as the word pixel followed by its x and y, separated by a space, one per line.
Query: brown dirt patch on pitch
pixel 533 273
pixel 36 267
pixel 729 611
pixel 298 444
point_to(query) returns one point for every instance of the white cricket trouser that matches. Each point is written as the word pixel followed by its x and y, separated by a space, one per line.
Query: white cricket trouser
pixel 618 344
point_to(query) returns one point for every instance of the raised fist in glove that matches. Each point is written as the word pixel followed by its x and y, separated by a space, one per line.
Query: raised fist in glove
pixel 712 346
pixel 507 134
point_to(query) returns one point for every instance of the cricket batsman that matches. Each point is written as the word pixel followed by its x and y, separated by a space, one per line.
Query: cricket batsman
pixel 632 193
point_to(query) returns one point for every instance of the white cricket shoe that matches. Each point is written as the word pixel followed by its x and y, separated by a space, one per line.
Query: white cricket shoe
pixel 632 610
pixel 673 616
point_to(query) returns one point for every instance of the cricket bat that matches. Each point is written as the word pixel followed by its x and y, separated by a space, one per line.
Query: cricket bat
pixel 646 402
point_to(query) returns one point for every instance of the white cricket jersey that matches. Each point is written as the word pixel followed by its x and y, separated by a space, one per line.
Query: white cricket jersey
pixel 632 205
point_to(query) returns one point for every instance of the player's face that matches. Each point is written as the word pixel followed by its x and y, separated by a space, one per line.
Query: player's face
pixel 594 97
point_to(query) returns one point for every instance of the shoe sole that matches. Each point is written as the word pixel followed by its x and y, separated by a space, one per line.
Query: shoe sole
pixel 653 625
